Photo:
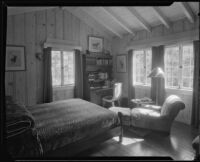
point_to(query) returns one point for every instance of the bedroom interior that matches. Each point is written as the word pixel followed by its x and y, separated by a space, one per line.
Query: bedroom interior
pixel 103 81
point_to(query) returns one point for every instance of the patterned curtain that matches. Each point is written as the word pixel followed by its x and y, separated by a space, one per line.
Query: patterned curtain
pixel 196 87
pixel 78 91
pixel 47 77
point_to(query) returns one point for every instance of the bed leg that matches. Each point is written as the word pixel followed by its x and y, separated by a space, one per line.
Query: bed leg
pixel 121 126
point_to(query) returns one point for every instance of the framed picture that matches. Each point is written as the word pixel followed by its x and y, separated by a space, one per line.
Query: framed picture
pixel 15 58
pixel 121 63
pixel 95 44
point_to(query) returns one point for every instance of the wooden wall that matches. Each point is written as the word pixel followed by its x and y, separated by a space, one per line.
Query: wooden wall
pixel 180 31
pixel 31 30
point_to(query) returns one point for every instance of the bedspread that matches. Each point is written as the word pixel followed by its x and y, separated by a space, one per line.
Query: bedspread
pixel 63 122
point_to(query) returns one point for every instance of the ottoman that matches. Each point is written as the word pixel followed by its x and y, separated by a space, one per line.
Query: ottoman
pixel 126 114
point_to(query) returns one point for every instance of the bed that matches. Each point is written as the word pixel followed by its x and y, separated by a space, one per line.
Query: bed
pixel 64 128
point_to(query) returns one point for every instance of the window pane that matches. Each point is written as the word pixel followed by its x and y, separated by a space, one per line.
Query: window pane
pixel 56 68
pixel 186 82
pixel 139 66
pixel 172 66
pixel 148 65
pixel 68 67
pixel 188 66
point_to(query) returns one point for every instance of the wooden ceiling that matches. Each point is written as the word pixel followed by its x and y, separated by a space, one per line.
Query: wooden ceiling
pixel 118 21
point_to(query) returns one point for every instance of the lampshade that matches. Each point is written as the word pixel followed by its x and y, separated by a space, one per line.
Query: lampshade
pixel 156 72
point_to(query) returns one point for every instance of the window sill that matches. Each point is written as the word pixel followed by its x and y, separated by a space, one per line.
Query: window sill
pixel 70 86
pixel 142 85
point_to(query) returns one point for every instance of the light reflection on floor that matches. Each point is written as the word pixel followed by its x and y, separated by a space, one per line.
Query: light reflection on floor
pixel 128 141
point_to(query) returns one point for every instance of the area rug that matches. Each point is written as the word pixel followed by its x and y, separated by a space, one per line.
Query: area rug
pixel 138 132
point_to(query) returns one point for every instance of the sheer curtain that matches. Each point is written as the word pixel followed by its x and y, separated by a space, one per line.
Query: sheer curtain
pixel 47 76
pixel 196 87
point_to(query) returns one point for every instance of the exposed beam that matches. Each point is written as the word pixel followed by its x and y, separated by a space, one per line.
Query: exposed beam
pixel 161 17
pixel 117 19
pixel 187 11
pixel 140 19
pixel 90 21
pixel 101 22
pixel 21 10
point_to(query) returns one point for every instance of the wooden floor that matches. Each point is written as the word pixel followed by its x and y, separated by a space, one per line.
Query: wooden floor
pixel 177 145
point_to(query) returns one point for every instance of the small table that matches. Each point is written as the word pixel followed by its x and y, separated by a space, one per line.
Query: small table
pixel 142 102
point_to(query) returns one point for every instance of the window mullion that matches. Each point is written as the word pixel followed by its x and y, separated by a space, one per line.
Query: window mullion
pixel 62 69
pixel 180 66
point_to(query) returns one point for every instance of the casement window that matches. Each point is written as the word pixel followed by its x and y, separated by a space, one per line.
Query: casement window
pixel 62 67
pixel 142 66
pixel 179 66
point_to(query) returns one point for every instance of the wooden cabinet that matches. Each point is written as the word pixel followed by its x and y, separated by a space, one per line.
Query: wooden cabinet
pixel 97 76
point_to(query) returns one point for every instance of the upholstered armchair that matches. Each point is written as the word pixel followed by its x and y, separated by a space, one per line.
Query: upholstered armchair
pixel 159 118
pixel 151 117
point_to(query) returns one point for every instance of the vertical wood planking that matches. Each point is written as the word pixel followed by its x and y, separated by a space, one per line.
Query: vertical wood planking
pixel 67 26
pixel 20 76
pixel 30 58
pixel 76 30
pixel 40 38
pixel 59 23
pixel 9 82
pixel 50 22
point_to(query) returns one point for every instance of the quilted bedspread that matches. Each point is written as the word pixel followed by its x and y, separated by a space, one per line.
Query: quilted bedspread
pixel 63 122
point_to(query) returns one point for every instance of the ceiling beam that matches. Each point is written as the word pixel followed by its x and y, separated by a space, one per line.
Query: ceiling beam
pixel 161 17
pixel 117 19
pixel 187 11
pixel 101 22
pixel 90 21
pixel 140 19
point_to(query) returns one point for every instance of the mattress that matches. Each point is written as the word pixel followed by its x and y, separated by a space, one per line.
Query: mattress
pixel 64 122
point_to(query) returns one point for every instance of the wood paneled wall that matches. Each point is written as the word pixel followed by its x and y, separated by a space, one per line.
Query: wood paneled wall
pixel 31 30
pixel 181 30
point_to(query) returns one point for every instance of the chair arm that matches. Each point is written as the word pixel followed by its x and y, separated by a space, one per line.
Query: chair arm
pixel 153 107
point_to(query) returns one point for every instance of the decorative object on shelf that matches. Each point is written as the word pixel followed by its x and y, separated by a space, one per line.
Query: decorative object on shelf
pixel 95 44
pixel 15 58
pixel 121 63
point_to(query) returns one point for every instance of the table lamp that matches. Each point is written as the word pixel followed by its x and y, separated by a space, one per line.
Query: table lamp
pixel 156 73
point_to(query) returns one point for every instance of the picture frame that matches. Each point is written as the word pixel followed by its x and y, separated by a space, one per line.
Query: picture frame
pixel 121 63
pixel 95 44
pixel 15 58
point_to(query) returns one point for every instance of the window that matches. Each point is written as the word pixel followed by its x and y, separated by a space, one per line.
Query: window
pixel 179 66
pixel 62 68
pixel 142 66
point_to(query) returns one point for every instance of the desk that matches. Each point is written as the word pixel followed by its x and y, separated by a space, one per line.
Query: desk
pixel 97 94
pixel 142 102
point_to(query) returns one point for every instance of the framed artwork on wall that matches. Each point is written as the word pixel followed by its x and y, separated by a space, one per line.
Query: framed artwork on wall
pixel 15 58
pixel 95 44
pixel 121 63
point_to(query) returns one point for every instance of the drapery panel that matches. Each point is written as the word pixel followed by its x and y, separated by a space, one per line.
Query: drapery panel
pixel 47 76
pixel 78 90
pixel 158 61
pixel 131 88
pixel 196 87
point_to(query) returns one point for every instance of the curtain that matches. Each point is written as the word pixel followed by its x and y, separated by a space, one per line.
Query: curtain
pixel 131 89
pixel 78 91
pixel 47 77
pixel 158 61
pixel 196 87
